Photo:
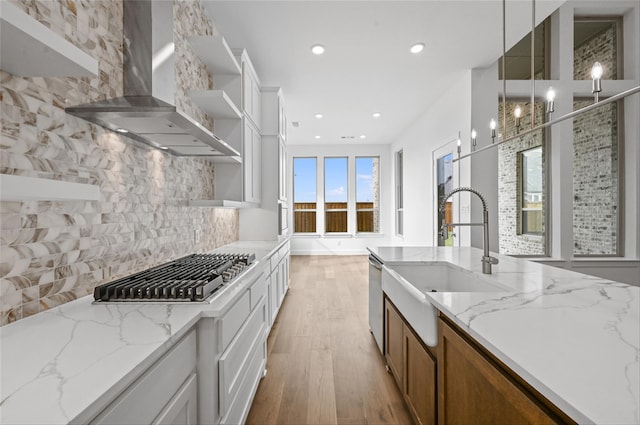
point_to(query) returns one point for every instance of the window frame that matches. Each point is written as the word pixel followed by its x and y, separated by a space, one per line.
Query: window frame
pixel 324 193
pixel 294 196
pixel 521 187
pixel 374 209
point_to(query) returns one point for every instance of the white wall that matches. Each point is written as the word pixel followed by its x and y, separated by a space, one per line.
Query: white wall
pixel 439 125
pixel 320 244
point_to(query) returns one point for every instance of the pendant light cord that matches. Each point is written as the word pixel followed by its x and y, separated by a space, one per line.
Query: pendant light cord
pixel 504 68
pixel 533 79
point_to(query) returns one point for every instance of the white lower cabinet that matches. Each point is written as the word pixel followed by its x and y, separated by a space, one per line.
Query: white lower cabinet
pixel 163 394
pixel 232 356
pixel 278 280
pixel 211 375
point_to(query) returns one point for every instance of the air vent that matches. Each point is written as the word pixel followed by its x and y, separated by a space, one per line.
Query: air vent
pixel 347 137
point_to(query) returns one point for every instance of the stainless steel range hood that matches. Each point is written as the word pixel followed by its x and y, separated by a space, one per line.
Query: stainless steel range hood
pixel 147 112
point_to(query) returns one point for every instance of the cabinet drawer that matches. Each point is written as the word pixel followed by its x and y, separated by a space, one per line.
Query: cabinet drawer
pixel 143 401
pixel 258 290
pixel 239 408
pixel 275 259
pixel 233 319
pixel 233 364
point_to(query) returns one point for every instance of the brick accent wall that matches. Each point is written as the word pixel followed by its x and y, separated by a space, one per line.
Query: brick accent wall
pixel 54 252
pixel 595 180
pixel 595 155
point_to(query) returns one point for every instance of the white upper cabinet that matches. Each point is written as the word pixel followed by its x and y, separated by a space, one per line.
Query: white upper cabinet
pixel 252 163
pixel 274 123
pixel 251 90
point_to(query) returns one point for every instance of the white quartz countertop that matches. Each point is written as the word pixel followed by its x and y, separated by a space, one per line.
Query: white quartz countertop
pixel 66 363
pixel 574 338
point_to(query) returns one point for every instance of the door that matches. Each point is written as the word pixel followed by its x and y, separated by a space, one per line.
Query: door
pixel 446 179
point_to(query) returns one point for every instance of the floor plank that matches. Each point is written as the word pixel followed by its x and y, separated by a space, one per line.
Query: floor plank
pixel 323 364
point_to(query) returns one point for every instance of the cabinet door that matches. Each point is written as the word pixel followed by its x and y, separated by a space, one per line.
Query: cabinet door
pixel 471 390
pixel 247 88
pixel 420 380
pixel 256 183
pixel 182 409
pixel 251 163
pixel 394 342
pixel 282 170
pixel 282 119
pixel 256 103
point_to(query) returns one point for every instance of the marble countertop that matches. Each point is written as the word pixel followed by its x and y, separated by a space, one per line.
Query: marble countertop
pixel 574 338
pixel 65 364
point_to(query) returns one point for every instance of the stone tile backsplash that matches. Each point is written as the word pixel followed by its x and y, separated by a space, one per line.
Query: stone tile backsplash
pixel 52 252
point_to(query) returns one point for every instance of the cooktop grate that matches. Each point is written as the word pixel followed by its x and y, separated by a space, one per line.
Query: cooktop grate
pixel 191 278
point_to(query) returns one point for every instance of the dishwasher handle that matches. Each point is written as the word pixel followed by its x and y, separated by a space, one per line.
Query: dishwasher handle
pixel 373 262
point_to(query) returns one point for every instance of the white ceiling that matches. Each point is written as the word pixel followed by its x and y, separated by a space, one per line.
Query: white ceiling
pixel 367 66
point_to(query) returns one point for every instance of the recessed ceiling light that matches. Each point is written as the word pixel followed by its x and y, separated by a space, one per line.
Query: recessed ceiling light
pixel 164 148
pixel 376 114
pixel 417 48
pixel 317 49
pixel 317 137
pixel 122 130
pixel 362 136
pixel 319 116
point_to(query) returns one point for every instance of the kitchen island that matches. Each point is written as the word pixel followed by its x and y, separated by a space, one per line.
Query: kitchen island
pixel 574 338
pixel 67 364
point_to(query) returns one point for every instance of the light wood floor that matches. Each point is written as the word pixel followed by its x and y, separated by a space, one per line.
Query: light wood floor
pixel 323 364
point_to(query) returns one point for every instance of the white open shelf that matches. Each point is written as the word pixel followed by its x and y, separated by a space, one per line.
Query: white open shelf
pixel 21 188
pixel 211 203
pixel 216 54
pixel 29 49
pixel 216 103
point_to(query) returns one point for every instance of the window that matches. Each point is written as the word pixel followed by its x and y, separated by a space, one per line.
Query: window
pixel 304 195
pixel 335 195
pixel 368 194
pixel 399 195
pixel 531 180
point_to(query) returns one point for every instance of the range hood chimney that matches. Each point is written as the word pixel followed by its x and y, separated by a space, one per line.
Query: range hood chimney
pixel 147 111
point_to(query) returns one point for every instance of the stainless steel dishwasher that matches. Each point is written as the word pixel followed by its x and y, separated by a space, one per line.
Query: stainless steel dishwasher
pixel 375 299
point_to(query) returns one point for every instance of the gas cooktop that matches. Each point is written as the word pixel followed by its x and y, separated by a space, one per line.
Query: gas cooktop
pixel 191 278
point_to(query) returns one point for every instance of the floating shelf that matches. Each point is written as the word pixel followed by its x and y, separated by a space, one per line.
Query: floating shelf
pixel 216 103
pixel 213 203
pixel 29 49
pixel 20 188
pixel 216 54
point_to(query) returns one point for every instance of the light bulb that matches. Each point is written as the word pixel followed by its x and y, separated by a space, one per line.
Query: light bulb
pixel 517 112
pixel 492 124
pixel 317 49
pixel 551 94
pixel 459 142
pixel 319 116
pixel 596 71
pixel 474 134
pixel 417 48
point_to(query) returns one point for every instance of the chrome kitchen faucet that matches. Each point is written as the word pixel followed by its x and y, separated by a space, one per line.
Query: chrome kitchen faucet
pixel 487 260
